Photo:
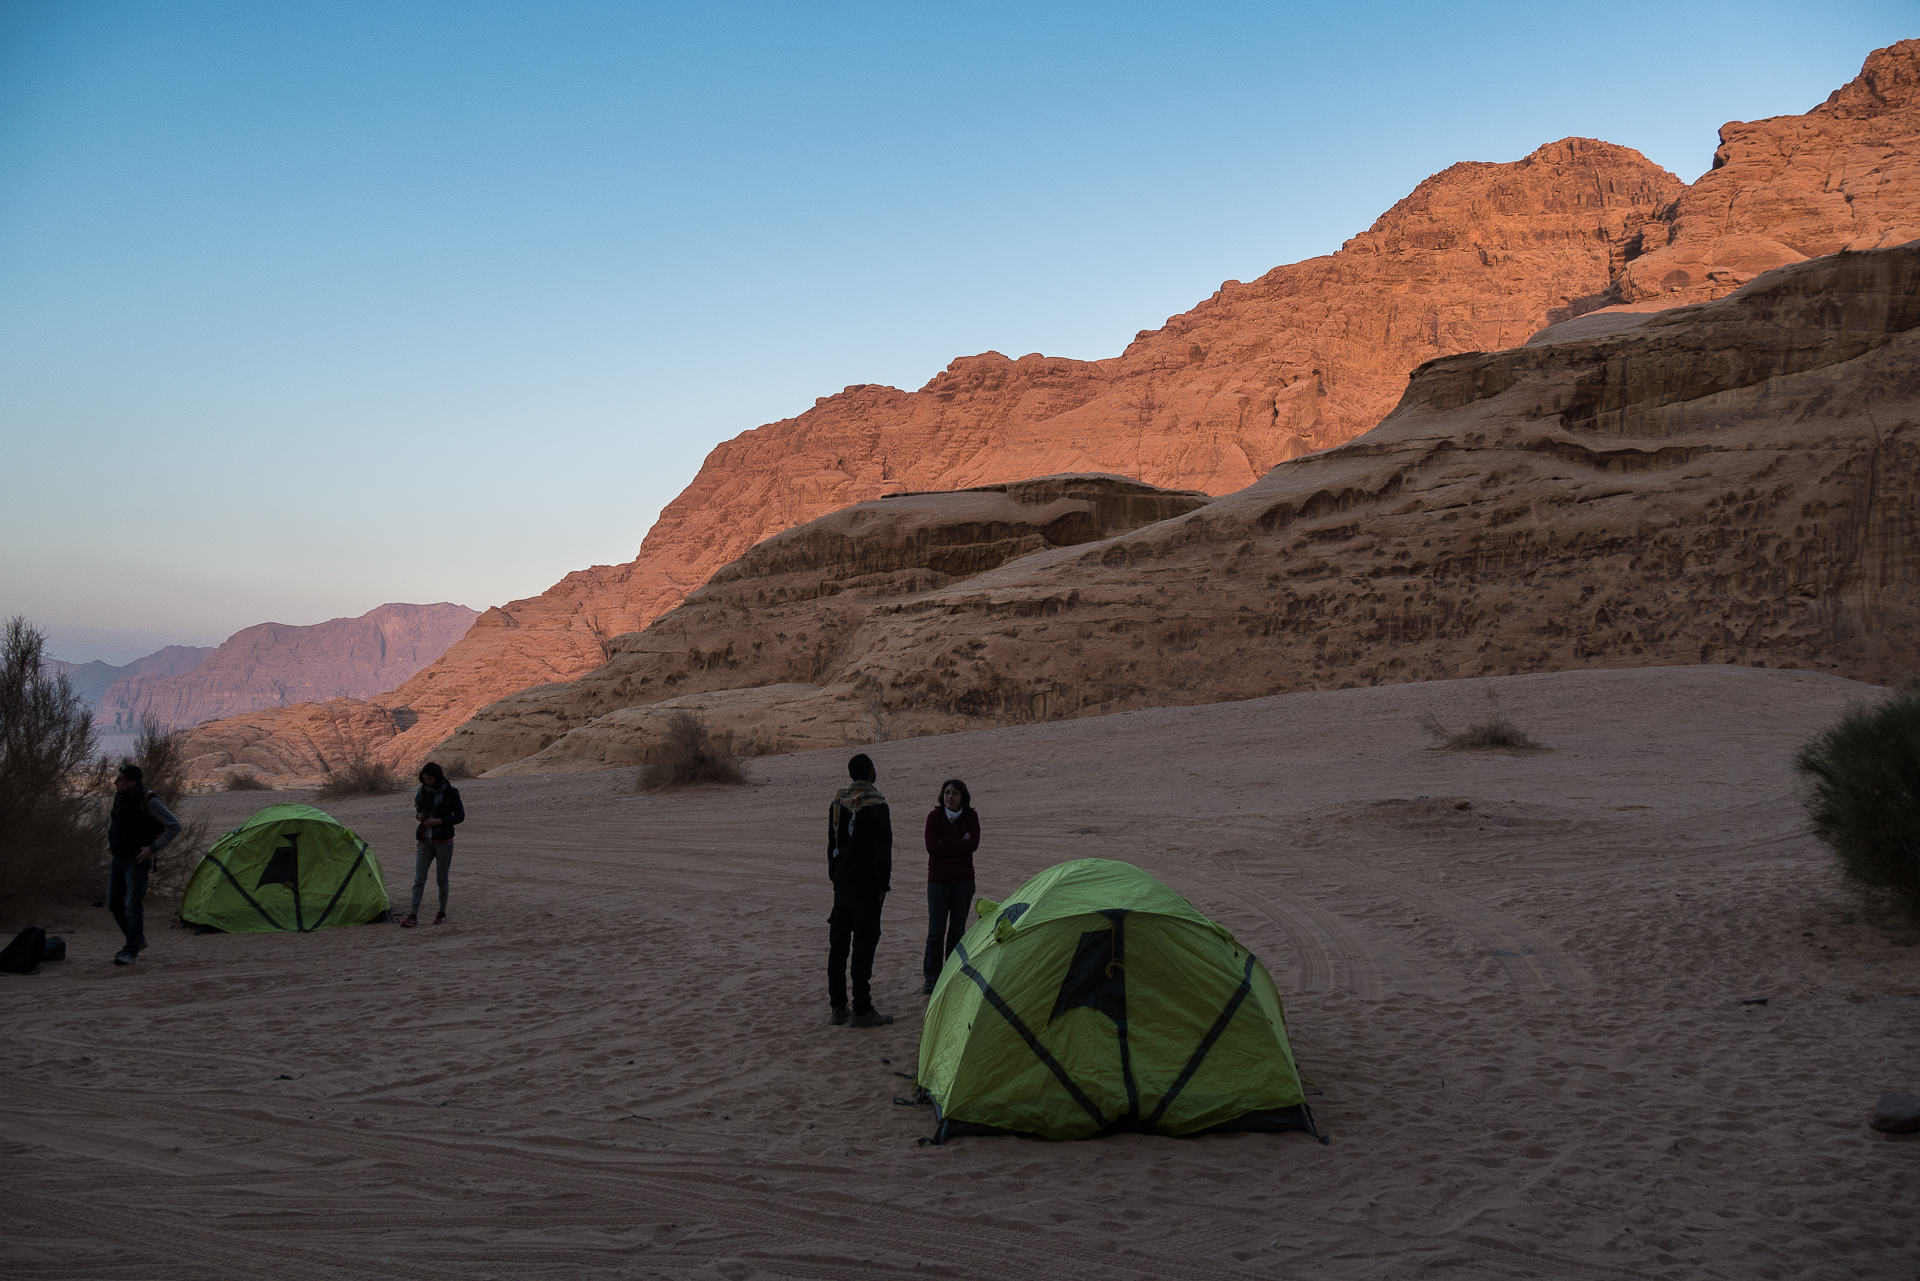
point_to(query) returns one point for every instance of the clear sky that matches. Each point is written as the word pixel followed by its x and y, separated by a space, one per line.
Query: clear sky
pixel 305 307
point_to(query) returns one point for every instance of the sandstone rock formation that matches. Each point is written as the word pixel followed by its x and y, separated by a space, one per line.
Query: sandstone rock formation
pixel 1845 175
pixel 1736 481
pixel 277 665
pixel 1308 356
pixel 823 573
pixel 783 617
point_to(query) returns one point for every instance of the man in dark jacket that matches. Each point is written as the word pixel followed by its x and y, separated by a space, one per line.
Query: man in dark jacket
pixel 860 865
pixel 139 827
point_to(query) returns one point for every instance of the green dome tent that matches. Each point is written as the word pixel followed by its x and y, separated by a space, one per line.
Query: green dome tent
pixel 1096 999
pixel 289 867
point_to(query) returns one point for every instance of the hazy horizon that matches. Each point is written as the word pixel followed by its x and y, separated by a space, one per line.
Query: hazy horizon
pixel 316 308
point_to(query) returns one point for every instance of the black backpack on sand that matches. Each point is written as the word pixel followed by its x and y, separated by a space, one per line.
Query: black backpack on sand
pixel 28 949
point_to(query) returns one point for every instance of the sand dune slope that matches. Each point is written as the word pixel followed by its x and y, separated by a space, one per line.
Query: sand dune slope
pixel 1516 981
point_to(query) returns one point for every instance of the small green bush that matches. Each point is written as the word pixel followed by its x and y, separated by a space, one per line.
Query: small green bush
pixel 1863 800
pixel 235 781
pixel 360 777
pixel 688 756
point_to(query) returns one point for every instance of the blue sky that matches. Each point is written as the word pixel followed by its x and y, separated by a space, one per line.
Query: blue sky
pixel 309 307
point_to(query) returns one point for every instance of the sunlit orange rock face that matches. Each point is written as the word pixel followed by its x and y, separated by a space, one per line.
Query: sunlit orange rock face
pixel 1734 482
pixel 1309 356
pixel 1845 175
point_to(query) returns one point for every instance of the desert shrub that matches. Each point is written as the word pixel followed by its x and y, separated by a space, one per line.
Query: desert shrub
pixel 457 768
pixel 53 816
pixel 157 751
pixel 1497 730
pixel 1863 797
pixel 359 777
pixel 688 755
pixel 235 781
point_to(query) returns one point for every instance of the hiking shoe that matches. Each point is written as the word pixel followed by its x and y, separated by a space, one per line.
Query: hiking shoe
pixel 840 1015
pixel 410 922
pixel 124 956
pixel 872 1018
pixel 440 919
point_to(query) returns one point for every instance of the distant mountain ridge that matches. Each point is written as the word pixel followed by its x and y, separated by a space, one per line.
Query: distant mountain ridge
pixel 92 680
pixel 269 665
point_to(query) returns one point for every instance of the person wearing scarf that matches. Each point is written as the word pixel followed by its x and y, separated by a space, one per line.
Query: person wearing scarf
pixel 953 834
pixel 860 865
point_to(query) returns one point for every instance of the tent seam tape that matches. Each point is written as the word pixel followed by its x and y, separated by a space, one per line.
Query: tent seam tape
pixel 1206 1044
pixel 242 890
pixel 358 859
pixel 1033 1043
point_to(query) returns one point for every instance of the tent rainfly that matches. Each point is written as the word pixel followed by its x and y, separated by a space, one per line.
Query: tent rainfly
pixel 1097 1000
pixel 289 867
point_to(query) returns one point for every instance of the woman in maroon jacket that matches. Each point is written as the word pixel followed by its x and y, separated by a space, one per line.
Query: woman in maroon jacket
pixel 953 834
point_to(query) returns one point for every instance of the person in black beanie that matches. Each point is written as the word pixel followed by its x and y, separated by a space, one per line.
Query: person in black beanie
pixel 860 865
pixel 139 827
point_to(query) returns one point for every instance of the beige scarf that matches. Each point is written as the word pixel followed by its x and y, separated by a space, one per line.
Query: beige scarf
pixel 853 798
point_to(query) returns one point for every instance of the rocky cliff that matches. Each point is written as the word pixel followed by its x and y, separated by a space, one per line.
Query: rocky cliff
pixel 1308 356
pixel 276 665
pixel 821 576
pixel 1845 175
pixel 1736 481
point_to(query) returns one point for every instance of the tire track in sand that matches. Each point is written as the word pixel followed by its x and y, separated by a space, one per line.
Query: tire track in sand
pixel 1027 1254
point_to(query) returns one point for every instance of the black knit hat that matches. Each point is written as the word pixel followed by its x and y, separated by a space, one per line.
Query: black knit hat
pixel 861 768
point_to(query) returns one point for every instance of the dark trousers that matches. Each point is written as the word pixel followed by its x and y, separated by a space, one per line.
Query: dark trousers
pixel 947 904
pixel 853 928
pixel 127 897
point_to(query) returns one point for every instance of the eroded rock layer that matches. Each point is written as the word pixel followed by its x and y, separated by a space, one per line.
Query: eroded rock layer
pixel 1736 481
pixel 820 574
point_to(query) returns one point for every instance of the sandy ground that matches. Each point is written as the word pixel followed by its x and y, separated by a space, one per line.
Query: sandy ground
pixel 1517 981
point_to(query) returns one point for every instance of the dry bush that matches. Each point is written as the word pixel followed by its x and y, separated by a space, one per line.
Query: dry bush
pixel 235 781
pixel 1864 798
pixel 457 768
pixel 688 755
pixel 53 816
pixel 361 777
pixel 1497 730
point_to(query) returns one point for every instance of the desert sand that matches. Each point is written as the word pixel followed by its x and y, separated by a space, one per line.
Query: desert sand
pixel 1520 983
